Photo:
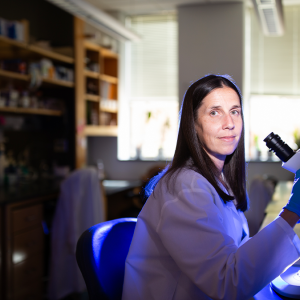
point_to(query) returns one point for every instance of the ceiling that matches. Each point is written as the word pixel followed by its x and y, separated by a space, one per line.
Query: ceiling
pixel 135 7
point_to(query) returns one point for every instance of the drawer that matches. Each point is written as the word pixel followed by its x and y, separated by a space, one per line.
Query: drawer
pixel 27 244
pixel 27 217
pixel 27 271
pixel 32 292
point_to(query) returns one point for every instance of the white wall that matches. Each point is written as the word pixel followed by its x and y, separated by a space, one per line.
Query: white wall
pixel 105 148
pixel 211 40
pixel 267 168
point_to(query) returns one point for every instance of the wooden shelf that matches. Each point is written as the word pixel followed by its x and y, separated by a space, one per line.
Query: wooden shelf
pixel 91 130
pixel 105 81
pixel 109 110
pixel 90 97
pixel 91 46
pixel 11 42
pixel 34 111
pixel 59 82
pixel 7 42
pixel 14 75
pixel 103 51
pixel 108 78
pixel 51 54
pixel 108 53
pixel 91 74
pixel 25 77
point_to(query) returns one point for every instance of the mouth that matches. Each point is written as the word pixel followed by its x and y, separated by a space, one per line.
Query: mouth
pixel 227 138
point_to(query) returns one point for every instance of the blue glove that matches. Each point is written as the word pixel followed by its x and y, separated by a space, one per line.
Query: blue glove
pixel 294 201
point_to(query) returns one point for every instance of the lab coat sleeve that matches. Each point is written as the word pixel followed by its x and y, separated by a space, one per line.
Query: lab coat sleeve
pixel 191 229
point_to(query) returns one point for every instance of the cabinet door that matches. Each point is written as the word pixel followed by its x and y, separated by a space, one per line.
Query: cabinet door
pixel 24 218
pixel 33 291
pixel 1 255
pixel 24 251
pixel 27 244
pixel 27 272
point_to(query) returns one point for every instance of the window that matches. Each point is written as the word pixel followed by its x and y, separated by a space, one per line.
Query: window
pixel 149 114
pixel 273 84
pixel 278 114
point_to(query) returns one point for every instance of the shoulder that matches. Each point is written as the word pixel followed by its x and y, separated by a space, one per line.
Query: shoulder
pixel 186 180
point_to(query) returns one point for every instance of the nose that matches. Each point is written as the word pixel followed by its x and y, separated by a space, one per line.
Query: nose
pixel 228 122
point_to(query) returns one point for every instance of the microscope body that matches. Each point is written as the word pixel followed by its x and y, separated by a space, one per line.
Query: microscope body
pixel 288 283
pixel 293 164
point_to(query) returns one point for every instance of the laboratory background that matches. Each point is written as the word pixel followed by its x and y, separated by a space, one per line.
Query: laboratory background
pixel 90 93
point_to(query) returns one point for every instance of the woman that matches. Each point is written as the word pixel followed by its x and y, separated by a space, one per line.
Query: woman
pixel 191 239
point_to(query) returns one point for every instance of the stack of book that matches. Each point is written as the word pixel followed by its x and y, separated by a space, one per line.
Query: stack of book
pixel 14 29
pixel 107 90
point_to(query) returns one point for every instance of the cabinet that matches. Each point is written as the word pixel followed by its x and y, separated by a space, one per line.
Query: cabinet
pixel 1 256
pixel 96 95
pixel 24 253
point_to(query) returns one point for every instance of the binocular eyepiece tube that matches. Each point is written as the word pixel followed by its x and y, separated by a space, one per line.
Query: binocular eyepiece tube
pixel 290 159
pixel 279 147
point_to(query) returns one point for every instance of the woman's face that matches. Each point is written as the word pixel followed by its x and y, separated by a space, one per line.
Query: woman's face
pixel 219 123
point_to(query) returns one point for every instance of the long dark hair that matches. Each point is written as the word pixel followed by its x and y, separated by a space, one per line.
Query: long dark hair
pixel 190 146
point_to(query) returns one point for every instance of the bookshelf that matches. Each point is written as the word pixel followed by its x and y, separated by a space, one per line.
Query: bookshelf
pixel 21 101
pixel 96 93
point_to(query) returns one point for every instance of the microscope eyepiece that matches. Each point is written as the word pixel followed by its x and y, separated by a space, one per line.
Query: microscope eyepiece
pixel 280 148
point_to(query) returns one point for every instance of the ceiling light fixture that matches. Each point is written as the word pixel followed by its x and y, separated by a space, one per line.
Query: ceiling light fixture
pixel 270 16
pixel 97 18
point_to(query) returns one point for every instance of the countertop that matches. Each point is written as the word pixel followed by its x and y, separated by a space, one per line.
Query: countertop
pixel 115 186
pixel 28 190
pixel 43 188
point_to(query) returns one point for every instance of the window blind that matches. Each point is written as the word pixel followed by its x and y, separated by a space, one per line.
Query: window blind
pixel 154 58
pixel 275 61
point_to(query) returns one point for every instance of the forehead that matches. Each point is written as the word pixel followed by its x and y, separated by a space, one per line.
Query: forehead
pixel 225 96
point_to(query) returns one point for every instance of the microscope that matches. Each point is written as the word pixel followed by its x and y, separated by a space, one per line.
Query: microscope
pixel 288 283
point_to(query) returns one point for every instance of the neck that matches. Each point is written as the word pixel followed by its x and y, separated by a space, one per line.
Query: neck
pixel 218 161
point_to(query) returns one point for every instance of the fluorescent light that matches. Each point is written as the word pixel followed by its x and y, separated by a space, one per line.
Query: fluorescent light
pixel 97 18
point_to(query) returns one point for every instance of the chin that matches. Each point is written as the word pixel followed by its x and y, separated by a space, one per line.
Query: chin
pixel 228 151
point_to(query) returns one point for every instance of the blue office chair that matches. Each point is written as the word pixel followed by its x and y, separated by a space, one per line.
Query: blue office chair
pixel 101 253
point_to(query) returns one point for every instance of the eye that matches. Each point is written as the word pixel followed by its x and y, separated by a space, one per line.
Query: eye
pixel 213 113
pixel 235 112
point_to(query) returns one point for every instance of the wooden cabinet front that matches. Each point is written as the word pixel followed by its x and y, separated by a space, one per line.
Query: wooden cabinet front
pixel 1 255
pixel 27 244
pixel 24 250
pixel 27 217
pixel 26 272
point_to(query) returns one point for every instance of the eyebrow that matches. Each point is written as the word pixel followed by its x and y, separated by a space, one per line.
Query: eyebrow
pixel 219 106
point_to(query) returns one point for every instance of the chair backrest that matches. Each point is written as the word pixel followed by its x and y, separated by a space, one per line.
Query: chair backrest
pixel 80 205
pixel 101 253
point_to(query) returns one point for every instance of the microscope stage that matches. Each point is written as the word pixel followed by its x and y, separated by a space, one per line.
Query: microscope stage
pixel 288 283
